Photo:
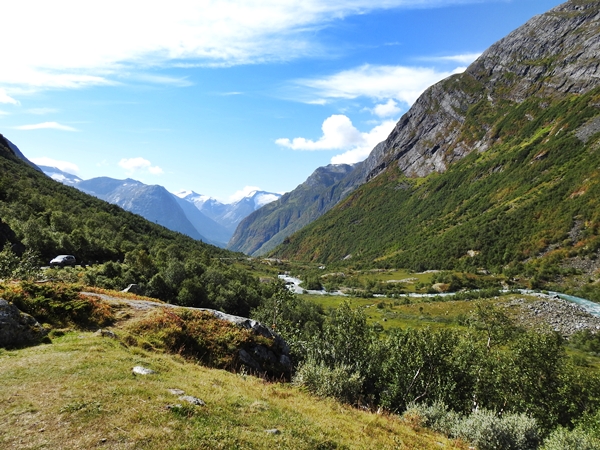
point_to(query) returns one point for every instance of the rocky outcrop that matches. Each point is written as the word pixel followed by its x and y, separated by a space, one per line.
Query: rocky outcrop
pixel 260 359
pixel 273 361
pixel 552 55
pixel 18 329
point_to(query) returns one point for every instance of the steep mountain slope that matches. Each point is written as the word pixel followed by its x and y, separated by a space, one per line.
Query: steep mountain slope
pixel 154 203
pixel 51 218
pixel 267 227
pixel 489 167
pixel 20 154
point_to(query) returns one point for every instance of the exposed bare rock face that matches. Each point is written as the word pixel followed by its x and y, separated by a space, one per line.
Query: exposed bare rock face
pixel 552 55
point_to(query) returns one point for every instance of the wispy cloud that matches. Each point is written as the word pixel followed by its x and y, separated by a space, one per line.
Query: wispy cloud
pixel 132 165
pixel 388 109
pixel 42 111
pixel 465 58
pixel 362 149
pixel 65 43
pixel 338 133
pixel 5 98
pixel 244 192
pixel 401 83
pixel 46 125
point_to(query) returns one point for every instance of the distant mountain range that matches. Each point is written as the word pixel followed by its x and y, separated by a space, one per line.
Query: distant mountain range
pixel 195 215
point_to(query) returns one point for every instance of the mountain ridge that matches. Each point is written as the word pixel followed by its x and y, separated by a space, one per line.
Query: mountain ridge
pixel 438 130
pixel 526 98
pixel 268 226
pixel 179 212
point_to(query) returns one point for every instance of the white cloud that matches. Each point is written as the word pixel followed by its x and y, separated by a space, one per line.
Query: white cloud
pixel 74 44
pixel 244 192
pixel 465 58
pixel 139 164
pixel 387 109
pixel 46 125
pixel 404 84
pixel 5 98
pixel 369 141
pixel 340 134
pixel 65 166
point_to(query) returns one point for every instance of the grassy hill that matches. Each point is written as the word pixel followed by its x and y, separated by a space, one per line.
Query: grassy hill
pixel 80 392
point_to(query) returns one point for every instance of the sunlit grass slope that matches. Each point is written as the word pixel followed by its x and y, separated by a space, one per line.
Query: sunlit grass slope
pixel 80 392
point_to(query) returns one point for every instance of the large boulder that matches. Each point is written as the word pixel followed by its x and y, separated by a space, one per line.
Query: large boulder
pixel 274 361
pixel 17 328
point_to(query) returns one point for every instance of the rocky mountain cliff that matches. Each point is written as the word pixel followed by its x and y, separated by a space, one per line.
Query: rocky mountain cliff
pixel 526 110
pixel 553 54
pixel 267 227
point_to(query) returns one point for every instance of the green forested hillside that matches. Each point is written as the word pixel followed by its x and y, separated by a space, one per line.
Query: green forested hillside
pixel 48 218
pixel 534 193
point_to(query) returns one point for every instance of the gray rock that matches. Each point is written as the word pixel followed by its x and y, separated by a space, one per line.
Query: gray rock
pixel 193 400
pixel 560 315
pixel 105 333
pixel 176 391
pixel 17 328
pixel 285 361
pixel 139 370
pixel 247 360
pixel 273 431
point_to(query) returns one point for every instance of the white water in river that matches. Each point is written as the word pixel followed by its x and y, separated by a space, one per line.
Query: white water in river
pixel 591 307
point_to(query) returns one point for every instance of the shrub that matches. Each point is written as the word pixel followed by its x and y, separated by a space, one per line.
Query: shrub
pixel 483 428
pixel 564 439
pixel 486 430
pixel 436 416
pixel 58 304
pixel 341 382
pixel 196 335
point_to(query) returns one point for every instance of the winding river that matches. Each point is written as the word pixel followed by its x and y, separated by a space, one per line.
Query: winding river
pixel 591 307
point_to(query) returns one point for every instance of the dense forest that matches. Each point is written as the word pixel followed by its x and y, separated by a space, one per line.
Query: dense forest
pixel 45 218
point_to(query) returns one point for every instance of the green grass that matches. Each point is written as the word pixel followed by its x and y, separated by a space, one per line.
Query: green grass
pixel 79 392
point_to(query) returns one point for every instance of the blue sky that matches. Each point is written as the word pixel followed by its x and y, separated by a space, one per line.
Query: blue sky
pixel 221 97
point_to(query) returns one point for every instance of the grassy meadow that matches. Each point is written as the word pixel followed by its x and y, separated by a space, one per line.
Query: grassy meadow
pixel 79 392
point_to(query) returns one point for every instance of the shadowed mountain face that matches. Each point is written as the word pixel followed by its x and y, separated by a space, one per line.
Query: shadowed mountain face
pixel 497 162
pixel 154 203
pixel 267 227
pixel 197 216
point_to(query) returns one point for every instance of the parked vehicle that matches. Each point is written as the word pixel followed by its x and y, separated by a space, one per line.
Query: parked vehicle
pixel 63 260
